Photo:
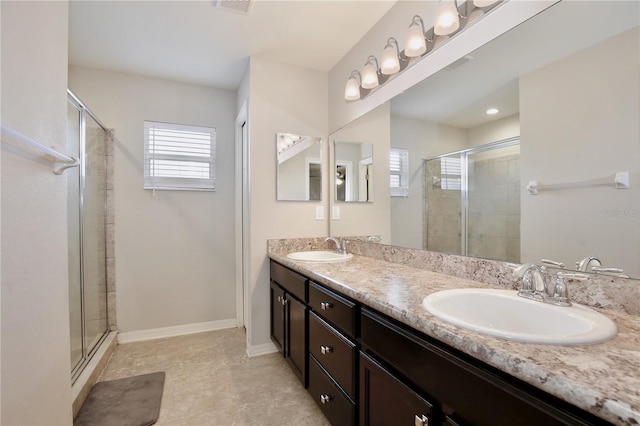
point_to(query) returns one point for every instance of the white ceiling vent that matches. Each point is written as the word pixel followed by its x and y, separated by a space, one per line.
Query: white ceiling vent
pixel 459 62
pixel 238 6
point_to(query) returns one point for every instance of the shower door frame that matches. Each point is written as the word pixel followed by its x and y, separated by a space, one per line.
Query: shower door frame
pixel 464 183
pixel 87 354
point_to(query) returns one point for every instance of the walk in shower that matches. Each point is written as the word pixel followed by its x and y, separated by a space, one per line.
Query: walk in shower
pixel 472 202
pixel 86 213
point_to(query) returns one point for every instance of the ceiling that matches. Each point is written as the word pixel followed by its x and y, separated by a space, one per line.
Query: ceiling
pixel 197 42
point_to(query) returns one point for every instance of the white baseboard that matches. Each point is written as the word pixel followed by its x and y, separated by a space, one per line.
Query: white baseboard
pixel 264 349
pixel 178 330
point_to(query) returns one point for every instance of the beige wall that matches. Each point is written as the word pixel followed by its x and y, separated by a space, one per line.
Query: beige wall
pixel 289 99
pixel 366 218
pixel 593 128
pixel 175 250
pixel 36 385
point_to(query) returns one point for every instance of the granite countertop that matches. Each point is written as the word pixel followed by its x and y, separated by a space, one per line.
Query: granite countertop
pixel 603 379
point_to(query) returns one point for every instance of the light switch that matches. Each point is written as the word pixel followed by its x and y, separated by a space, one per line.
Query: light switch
pixel 335 213
pixel 319 212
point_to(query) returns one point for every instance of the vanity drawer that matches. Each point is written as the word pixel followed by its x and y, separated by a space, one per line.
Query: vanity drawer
pixel 291 281
pixel 336 353
pixel 337 310
pixel 335 405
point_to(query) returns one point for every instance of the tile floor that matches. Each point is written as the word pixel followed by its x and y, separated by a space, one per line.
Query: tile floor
pixel 211 381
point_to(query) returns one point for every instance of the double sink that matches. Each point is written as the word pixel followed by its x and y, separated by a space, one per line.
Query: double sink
pixel 503 314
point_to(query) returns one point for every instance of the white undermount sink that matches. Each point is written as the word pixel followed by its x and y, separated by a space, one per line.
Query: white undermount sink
pixel 502 313
pixel 319 256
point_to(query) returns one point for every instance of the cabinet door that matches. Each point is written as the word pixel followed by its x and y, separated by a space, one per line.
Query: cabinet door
pixel 277 325
pixel 384 400
pixel 296 340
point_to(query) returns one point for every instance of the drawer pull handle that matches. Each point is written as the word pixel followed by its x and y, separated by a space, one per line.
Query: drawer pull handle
pixel 421 420
pixel 326 305
pixel 325 399
pixel 326 349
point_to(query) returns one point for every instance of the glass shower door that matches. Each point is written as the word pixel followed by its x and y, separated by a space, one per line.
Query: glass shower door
pixel 73 232
pixel 86 214
pixel 93 233
pixel 443 204
pixel 493 210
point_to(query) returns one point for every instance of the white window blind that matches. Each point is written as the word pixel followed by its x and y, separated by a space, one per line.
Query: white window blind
pixel 179 157
pixel 451 173
pixel 399 172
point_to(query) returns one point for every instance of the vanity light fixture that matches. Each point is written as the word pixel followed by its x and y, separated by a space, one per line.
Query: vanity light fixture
pixel 370 73
pixel 447 18
pixel 492 111
pixel 390 57
pixel 352 89
pixel 416 44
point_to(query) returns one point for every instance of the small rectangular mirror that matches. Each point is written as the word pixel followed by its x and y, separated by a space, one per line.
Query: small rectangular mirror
pixel 299 171
pixel 353 171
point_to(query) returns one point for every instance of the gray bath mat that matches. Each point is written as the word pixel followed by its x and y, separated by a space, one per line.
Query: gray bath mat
pixel 132 401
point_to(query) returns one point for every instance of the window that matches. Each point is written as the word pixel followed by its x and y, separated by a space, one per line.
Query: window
pixel 399 172
pixel 179 157
pixel 451 173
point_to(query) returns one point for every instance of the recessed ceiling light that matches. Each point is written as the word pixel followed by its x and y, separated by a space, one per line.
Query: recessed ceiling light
pixel 492 111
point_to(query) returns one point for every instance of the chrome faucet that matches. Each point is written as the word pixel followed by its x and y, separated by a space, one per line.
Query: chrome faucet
pixel 341 244
pixel 584 264
pixel 535 286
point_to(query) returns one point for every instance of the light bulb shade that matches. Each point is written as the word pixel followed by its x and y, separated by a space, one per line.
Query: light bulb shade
pixel 370 76
pixel 390 62
pixel 415 45
pixel 484 3
pixel 447 20
pixel 352 89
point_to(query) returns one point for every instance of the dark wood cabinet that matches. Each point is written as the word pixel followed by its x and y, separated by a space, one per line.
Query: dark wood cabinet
pixel 467 391
pixel 362 367
pixel 385 400
pixel 289 316
pixel 277 326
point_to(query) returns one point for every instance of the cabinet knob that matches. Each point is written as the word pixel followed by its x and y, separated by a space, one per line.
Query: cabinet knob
pixel 280 299
pixel 421 420
pixel 325 399
pixel 326 349
pixel 326 305
pixel 283 301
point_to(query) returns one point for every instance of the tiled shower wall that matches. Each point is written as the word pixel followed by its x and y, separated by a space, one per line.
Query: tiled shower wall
pixel 493 209
pixel 110 234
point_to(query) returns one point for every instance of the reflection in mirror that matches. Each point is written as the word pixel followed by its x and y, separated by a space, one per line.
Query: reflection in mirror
pixel 472 203
pixel 299 167
pixel 573 102
pixel 353 171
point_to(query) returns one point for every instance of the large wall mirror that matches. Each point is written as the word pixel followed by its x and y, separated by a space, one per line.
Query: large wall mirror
pixel 353 171
pixel 299 171
pixel 571 101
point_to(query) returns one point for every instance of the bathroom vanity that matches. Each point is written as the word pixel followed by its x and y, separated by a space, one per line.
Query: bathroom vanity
pixel 373 355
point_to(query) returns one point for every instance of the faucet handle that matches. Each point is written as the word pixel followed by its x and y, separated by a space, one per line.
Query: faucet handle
pixel 554 263
pixel 560 295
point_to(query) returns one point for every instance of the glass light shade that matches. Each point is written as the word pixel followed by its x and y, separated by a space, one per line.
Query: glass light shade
pixel 415 44
pixel 390 62
pixel 484 3
pixel 447 20
pixel 369 76
pixel 352 89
